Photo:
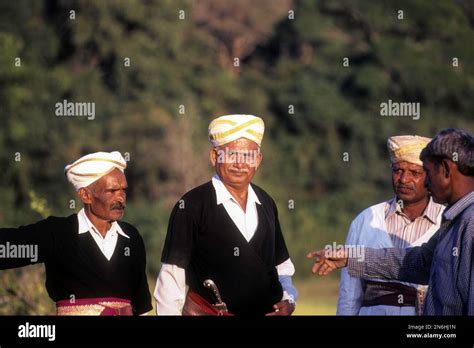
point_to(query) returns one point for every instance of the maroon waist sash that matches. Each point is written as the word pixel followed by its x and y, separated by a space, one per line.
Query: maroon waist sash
pixel 197 305
pixel 94 306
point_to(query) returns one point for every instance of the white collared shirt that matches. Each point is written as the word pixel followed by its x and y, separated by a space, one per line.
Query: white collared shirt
pixel 106 244
pixel 246 221
pixel 170 290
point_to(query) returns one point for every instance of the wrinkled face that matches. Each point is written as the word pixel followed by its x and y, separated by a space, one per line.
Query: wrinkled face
pixel 408 182
pixel 236 162
pixel 107 197
pixel 436 181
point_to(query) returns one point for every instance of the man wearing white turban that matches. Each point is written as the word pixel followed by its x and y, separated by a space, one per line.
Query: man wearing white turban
pixel 408 219
pixel 95 264
pixel 224 239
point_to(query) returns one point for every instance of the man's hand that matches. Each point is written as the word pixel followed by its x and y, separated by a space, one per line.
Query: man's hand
pixel 285 307
pixel 326 262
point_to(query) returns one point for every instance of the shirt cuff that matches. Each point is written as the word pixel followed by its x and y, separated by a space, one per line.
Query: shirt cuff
pixel 289 291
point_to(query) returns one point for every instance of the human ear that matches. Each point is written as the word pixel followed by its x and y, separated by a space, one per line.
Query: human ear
pixel 85 195
pixel 445 165
pixel 213 156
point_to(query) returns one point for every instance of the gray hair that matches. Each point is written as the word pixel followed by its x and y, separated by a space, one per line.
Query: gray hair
pixel 453 144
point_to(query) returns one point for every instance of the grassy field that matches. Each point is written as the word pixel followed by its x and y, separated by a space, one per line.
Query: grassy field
pixel 317 296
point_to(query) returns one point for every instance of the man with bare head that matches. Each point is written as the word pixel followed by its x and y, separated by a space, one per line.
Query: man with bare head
pixel 224 239
pixel 95 264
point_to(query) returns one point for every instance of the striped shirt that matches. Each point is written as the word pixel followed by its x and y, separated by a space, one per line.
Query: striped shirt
pixel 445 262
pixel 402 230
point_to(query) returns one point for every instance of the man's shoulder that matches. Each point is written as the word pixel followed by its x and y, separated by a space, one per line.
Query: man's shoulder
pixel 467 215
pixel 54 225
pixel 129 229
pixel 465 222
pixel 60 221
pixel 372 211
pixel 261 193
pixel 197 194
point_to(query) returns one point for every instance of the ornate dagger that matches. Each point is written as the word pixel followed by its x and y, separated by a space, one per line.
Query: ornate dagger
pixel 219 305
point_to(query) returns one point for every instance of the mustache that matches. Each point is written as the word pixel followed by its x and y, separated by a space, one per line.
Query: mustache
pixel 239 170
pixel 404 187
pixel 118 206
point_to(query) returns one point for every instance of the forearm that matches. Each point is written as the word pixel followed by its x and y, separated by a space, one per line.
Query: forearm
pixel 285 272
pixel 141 301
pixel 409 265
pixel 21 247
pixel 170 290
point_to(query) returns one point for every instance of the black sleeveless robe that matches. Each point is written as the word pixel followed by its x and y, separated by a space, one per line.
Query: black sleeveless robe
pixel 75 266
pixel 203 239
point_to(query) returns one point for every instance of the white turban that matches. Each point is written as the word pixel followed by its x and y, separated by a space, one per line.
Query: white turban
pixel 90 168
pixel 228 128
pixel 406 148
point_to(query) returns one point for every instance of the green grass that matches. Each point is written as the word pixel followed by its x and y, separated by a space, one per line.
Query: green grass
pixel 317 296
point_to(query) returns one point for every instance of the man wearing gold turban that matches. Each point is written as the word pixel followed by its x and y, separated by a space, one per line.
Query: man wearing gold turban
pixel 409 219
pixel 95 264
pixel 224 239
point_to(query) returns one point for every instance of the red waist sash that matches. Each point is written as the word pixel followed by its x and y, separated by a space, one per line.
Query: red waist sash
pixel 94 306
pixel 197 305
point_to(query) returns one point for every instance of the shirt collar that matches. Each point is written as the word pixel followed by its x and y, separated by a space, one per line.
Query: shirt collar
pixel 431 211
pixel 392 208
pixel 223 195
pixel 457 208
pixel 85 225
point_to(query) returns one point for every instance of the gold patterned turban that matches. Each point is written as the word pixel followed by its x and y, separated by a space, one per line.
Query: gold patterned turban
pixel 228 128
pixel 406 148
